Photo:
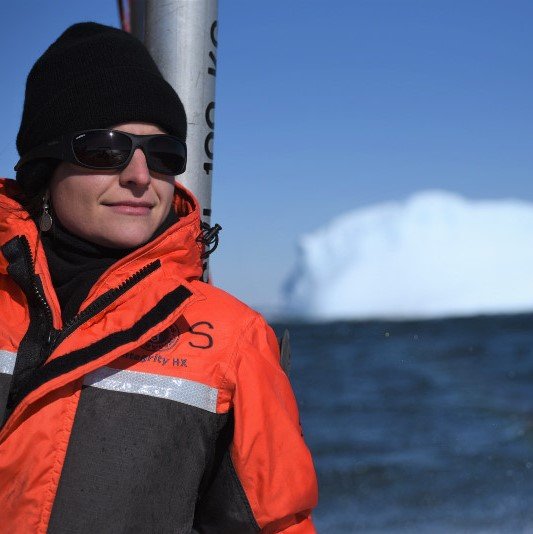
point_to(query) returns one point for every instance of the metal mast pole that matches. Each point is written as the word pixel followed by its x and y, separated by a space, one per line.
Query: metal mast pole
pixel 181 36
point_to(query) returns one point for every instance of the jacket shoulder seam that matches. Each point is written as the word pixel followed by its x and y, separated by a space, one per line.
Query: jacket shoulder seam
pixel 232 362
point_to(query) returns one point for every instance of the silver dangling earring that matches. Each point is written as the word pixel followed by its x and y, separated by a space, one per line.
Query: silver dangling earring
pixel 46 219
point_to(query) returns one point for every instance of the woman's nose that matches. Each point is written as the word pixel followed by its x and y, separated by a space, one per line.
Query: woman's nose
pixel 136 172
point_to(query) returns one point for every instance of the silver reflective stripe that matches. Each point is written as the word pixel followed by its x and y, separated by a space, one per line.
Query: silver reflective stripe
pixel 164 387
pixel 7 361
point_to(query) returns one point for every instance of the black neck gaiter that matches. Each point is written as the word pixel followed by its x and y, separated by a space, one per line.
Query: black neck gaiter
pixel 76 264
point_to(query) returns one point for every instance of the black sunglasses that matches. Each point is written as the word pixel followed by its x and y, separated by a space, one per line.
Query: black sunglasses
pixel 113 149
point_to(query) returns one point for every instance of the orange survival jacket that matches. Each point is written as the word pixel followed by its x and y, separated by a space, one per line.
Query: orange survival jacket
pixel 160 407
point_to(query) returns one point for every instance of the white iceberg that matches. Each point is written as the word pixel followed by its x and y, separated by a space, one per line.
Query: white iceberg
pixel 434 255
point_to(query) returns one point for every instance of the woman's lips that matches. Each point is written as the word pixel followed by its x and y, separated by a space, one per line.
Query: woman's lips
pixel 130 208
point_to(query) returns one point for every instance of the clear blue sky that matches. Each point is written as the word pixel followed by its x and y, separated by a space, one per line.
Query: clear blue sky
pixel 326 106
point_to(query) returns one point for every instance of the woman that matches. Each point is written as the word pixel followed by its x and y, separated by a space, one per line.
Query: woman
pixel 135 398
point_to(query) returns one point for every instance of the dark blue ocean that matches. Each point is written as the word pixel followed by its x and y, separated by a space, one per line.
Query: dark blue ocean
pixel 422 426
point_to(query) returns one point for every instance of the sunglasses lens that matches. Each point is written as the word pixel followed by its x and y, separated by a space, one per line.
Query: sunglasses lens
pixel 166 155
pixel 102 149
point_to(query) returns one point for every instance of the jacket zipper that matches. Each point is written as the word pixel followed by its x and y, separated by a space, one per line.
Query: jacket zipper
pixel 38 294
pixel 55 336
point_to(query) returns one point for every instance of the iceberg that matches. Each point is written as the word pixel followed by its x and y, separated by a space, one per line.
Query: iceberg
pixel 434 255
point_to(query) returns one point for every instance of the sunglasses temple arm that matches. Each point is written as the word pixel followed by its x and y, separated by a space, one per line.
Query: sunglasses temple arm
pixel 54 150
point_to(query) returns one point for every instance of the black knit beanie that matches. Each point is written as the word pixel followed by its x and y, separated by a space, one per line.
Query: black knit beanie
pixel 93 76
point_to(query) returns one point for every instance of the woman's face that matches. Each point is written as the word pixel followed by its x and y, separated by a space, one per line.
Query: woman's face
pixel 119 209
